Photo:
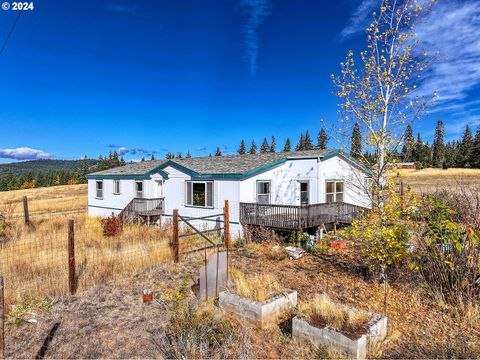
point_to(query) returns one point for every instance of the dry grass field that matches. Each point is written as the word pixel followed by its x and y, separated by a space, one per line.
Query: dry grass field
pixel 53 200
pixel 430 180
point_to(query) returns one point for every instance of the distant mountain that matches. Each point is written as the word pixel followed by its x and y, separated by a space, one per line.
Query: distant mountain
pixel 42 166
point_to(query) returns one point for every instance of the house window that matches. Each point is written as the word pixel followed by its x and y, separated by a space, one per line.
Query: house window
pixel 334 191
pixel 263 192
pixel 304 193
pixel 139 189
pixel 99 189
pixel 116 187
pixel 199 193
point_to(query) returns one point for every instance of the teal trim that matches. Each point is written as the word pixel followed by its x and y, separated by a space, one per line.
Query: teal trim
pixel 130 176
pixel 118 177
pixel 104 207
pixel 237 176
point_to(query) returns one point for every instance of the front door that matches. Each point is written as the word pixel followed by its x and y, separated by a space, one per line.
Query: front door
pixel 304 193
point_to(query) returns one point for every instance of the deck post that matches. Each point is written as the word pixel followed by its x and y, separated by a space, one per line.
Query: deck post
pixel 175 244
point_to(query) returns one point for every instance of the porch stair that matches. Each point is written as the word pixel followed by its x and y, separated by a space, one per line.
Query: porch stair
pixel 143 210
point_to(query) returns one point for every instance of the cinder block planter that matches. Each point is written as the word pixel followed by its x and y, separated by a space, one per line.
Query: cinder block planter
pixel 356 347
pixel 260 314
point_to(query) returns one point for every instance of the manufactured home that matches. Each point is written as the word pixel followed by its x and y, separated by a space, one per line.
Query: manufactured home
pixel 287 190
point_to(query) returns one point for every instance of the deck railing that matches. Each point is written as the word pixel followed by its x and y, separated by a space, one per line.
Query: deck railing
pixel 298 217
pixel 142 207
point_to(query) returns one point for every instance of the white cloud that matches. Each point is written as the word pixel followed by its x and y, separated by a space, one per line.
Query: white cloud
pixel 255 11
pixel 24 153
pixel 450 32
pixel 359 19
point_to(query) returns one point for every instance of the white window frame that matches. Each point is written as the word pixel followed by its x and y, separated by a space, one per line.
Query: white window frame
pixel 335 192
pixel 97 190
pixel 135 189
pixel 307 182
pixel 209 192
pixel 115 182
pixel 269 194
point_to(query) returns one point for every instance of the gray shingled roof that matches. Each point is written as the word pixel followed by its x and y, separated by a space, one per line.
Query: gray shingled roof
pixel 136 168
pixel 239 164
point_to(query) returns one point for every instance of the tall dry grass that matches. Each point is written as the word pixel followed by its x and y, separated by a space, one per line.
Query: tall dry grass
pixel 259 287
pixel 321 309
pixel 34 261
pixel 47 200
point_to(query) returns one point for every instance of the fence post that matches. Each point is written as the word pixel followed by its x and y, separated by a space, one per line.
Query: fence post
pixel 2 317
pixel 175 244
pixel 71 257
pixel 226 222
pixel 25 211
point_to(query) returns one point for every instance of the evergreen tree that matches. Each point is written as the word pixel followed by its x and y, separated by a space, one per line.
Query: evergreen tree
pixel 465 148
pixel 188 156
pixel 242 150
pixel 287 147
pixel 301 143
pixel 85 167
pixel 356 146
pixel 265 147
pixel 169 155
pixel 308 144
pixel 218 152
pixel 451 154
pixel 122 161
pixel 253 148
pixel 408 148
pixel 152 157
pixel 438 149
pixel 475 152
pixel 143 159
pixel 322 139
pixel 179 155
pixel 273 145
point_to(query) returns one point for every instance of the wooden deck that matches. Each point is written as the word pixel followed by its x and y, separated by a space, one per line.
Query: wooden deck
pixel 291 217
pixel 142 209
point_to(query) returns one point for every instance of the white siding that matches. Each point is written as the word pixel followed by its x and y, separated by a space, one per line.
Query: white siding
pixel 285 187
pixel 336 168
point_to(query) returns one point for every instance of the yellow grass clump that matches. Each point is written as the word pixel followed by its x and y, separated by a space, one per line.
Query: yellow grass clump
pixel 321 309
pixel 255 287
pixel 34 261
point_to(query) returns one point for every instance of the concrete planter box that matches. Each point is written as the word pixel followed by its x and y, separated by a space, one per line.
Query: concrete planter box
pixel 261 314
pixel 336 340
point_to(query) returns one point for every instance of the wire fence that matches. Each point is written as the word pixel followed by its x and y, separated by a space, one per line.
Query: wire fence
pixel 34 259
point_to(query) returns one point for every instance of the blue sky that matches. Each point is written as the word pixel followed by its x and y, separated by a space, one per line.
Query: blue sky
pixel 84 77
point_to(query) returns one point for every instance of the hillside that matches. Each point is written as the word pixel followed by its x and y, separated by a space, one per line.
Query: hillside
pixel 35 166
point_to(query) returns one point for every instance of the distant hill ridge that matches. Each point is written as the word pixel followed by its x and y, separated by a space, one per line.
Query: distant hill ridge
pixel 43 166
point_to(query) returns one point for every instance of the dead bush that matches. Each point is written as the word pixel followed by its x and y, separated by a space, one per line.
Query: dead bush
pixel 196 333
pixel 448 256
pixel 112 226
pixel 465 203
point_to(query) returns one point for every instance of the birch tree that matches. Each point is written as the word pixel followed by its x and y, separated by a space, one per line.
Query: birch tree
pixel 379 91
